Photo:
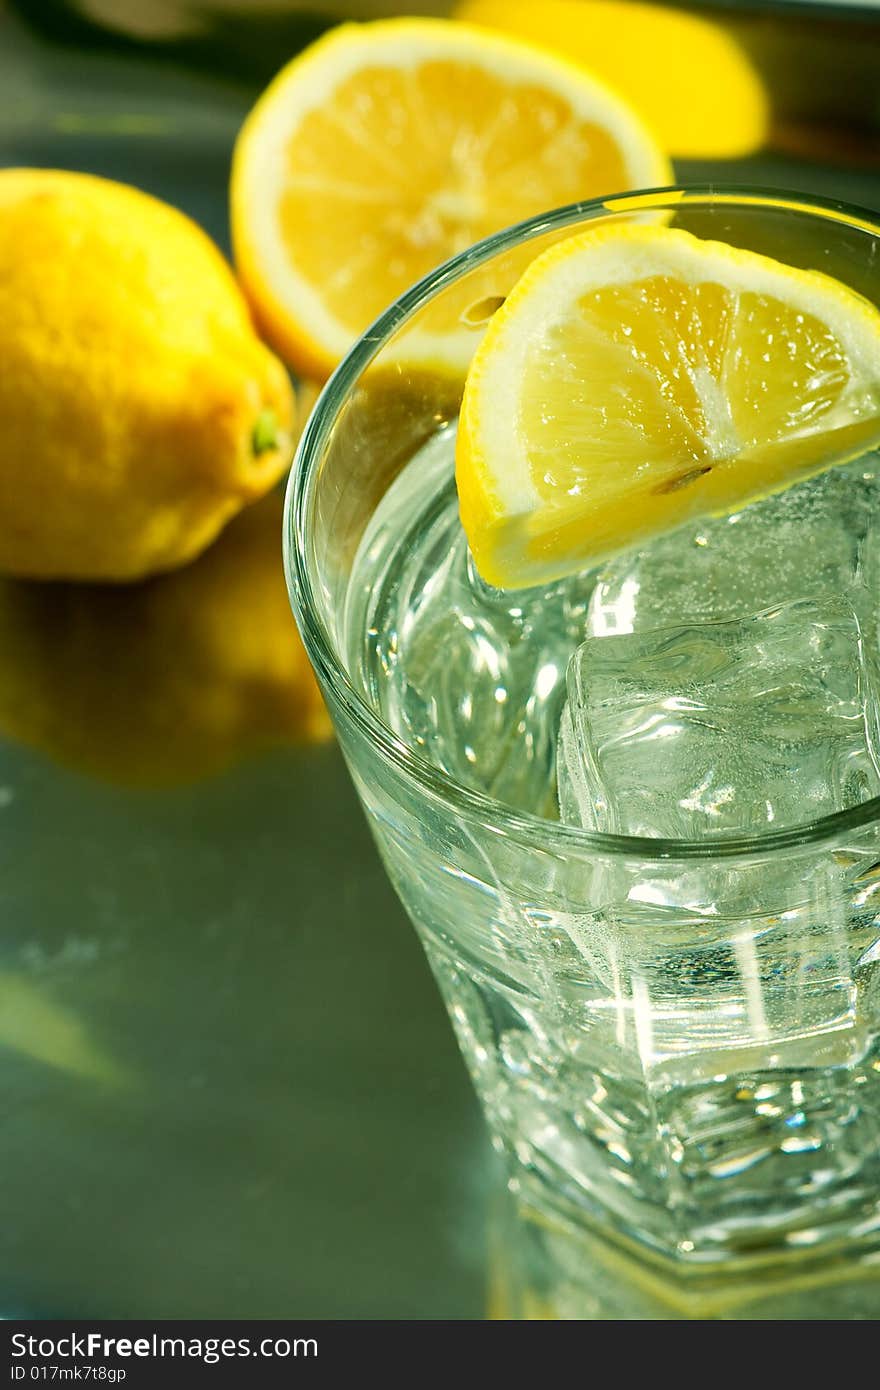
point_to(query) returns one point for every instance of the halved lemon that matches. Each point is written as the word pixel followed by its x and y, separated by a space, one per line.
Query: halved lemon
pixel 386 147
pixel 638 377
pixel 688 77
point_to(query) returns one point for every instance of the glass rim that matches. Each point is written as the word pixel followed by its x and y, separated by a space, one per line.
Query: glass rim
pixel 503 819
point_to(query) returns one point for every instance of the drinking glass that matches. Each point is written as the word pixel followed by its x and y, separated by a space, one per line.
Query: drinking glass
pixel 675 1043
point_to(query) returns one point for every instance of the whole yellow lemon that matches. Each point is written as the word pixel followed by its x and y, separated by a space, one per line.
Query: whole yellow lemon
pixel 138 408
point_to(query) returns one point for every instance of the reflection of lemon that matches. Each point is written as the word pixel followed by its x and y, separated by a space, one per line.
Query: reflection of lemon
pixel 138 410
pixel 543 1269
pixel 638 377
pixel 384 148
pixel 164 681
pixel 35 1026
pixel 690 81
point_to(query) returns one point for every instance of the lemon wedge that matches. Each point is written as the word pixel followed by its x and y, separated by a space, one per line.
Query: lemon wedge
pixel 385 148
pixel 639 377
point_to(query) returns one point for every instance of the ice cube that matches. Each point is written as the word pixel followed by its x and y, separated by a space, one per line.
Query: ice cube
pixel 808 542
pixel 728 728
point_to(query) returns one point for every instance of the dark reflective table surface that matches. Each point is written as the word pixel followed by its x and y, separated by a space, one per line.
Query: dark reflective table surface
pixel 229 1085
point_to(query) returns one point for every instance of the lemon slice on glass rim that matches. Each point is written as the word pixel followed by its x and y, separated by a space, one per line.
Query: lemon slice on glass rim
pixel 639 377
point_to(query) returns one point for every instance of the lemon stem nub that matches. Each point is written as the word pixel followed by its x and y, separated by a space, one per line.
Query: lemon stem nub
pixel 265 433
